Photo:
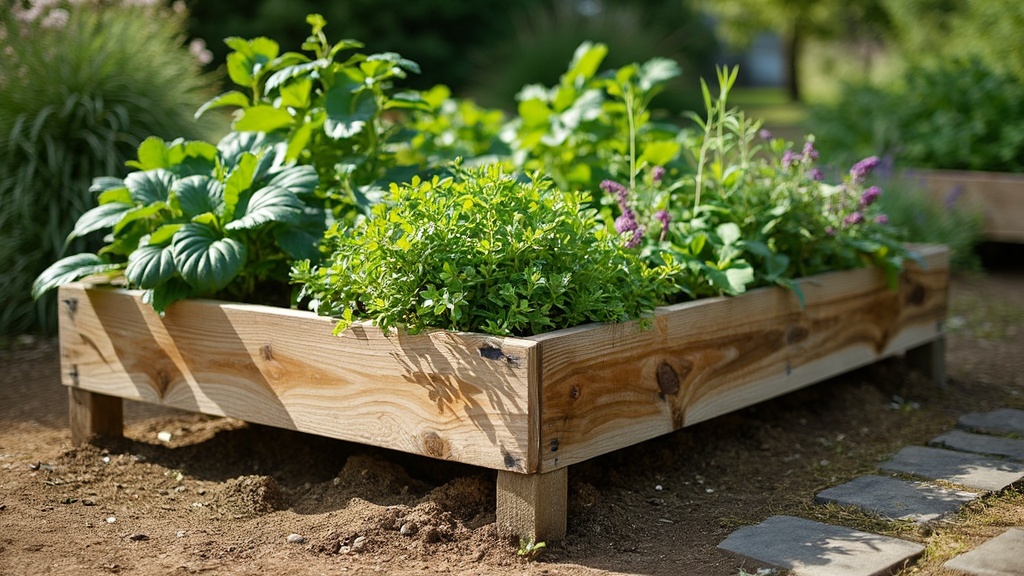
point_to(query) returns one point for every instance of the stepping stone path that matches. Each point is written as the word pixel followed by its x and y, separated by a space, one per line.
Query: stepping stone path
pixel 962 458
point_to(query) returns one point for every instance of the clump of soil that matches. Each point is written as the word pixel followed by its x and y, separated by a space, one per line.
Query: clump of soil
pixel 248 496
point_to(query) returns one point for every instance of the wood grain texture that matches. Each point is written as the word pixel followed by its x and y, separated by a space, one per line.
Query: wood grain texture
pixel 609 387
pixel 463 397
pixel 532 507
pixel 91 415
pixel 999 197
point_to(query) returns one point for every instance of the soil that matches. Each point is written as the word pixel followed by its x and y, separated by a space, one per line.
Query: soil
pixel 190 494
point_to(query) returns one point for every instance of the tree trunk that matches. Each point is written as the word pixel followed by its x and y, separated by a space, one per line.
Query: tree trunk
pixel 794 42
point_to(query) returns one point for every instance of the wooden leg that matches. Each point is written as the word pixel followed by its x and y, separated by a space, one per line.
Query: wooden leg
pixel 94 414
pixel 930 359
pixel 533 506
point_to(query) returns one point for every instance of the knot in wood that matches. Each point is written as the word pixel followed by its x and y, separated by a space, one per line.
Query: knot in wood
pixel 917 295
pixel 574 392
pixel 796 334
pixel 434 445
pixel 668 380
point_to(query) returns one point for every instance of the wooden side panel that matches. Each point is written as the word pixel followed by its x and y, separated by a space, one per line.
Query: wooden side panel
pixel 462 397
pixel 612 386
pixel 999 197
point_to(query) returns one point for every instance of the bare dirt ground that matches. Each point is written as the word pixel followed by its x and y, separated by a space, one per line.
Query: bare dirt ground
pixel 223 497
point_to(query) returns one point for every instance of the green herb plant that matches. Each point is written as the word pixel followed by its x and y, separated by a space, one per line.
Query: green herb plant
pixel 481 251
pixel 333 109
pixel 200 220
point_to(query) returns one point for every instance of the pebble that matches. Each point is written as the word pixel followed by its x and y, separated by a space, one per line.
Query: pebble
pixel 111 519
pixel 408 529
pixel 180 534
pixel 358 544
pixel 163 436
pixel 88 502
pixel 658 487
pixel 296 539
pixel 138 537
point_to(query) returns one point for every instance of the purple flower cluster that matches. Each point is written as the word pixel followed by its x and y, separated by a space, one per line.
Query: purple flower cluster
pixel 626 222
pixel 861 169
pixel 664 217
pixel 657 173
pixel 808 155
pixel 869 196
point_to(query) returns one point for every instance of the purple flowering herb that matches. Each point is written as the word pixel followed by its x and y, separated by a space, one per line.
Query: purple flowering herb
pixel 789 158
pixel 816 175
pixel 830 231
pixel 765 134
pixel 620 191
pixel 809 152
pixel 881 219
pixel 853 219
pixel 634 240
pixel 861 169
pixel 657 173
pixel 869 196
pixel 625 223
pixel 664 217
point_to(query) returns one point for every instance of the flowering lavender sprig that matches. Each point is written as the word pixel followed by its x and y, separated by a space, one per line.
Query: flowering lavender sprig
pixel 853 219
pixel 664 217
pixel 657 173
pixel 869 196
pixel 626 222
pixel 861 169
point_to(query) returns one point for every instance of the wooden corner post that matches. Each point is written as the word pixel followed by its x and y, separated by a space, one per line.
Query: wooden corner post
pixel 93 414
pixel 930 359
pixel 533 507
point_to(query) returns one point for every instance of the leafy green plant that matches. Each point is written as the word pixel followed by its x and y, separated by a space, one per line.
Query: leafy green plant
pixel 953 115
pixel 481 252
pixel 82 84
pixel 530 550
pixel 333 109
pixel 200 220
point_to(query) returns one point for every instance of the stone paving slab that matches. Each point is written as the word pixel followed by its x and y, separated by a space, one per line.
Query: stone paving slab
pixel 1000 556
pixel 968 470
pixel 895 498
pixel 1002 421
pixel 980 444
pixel 809 548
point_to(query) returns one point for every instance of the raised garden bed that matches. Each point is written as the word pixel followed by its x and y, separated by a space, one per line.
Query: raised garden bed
pixel 527 407
pixel 999 197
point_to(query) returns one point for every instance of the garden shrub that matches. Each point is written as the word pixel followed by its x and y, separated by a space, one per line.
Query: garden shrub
pixel 81 86
pixel 957 115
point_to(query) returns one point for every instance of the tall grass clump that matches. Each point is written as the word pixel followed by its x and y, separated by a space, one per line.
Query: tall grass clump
pixel 82 84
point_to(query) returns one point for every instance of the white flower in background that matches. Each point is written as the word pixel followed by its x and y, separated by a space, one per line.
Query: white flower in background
pixel 57 18
pixel 198 49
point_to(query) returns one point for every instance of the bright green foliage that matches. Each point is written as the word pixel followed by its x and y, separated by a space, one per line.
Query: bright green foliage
pixel 332 110
pixel 953 115
pixel 453 128
pixel 593 126
pixel 481 252
pixel 200 220
pixel 81 86
pixel 753 213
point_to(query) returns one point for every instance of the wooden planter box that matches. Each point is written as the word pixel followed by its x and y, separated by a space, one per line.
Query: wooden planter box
pixel 999 197
pixel 527 407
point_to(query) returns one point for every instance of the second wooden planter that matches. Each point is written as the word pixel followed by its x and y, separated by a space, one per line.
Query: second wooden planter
pixel 527 407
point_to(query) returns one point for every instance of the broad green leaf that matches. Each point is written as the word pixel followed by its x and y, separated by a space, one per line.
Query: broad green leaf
pixel 235 144
pixel 263 119
pixel 348 110
pixel 207 261
pixel 269 204
pixel 171 291
pixel 70 269
pixel 343 45
pixel 657 71
pixel 297 179
pixel 152 154
pixel 283 75
pixel 149 186
pixel 585 61
pixel 298 243
pixel 296 94
pixel 298 141
pixel 164 234
pixel 660 152
pixel 99 218
pixel 121 195
pixel 149 266
pixel 249 59
pixel 139 213
pixel 740 276
pixel 231 98
pixel 408 101
pixel 104 183
pixel 238 182
pixel 199 194
pixel 729 233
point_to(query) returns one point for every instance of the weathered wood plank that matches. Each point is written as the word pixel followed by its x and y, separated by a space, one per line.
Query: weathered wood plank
pixel 609 387
pixel 462 397
pixel 533 506
pixel 999 197
pixel 94 415
pixel 930 359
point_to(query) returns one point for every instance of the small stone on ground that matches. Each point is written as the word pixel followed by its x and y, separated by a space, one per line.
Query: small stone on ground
pixel 1000 556
pixel 968 470
pixel 897 499
pixel 980 444
pixel 1002 421
pixel 810 548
